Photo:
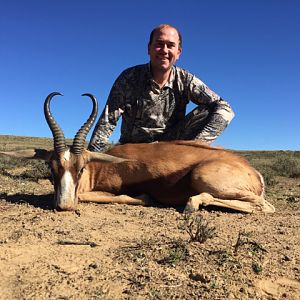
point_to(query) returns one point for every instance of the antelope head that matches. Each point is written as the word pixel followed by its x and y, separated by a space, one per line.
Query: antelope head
pixel 66 162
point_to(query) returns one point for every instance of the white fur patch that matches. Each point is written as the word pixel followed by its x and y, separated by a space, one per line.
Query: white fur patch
pixel 67 186
pixel 67 155
pixel 262 183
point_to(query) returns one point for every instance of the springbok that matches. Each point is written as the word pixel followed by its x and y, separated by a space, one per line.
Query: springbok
pixel 176 173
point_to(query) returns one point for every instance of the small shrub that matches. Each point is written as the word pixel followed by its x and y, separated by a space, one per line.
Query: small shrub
pixel 39 170
pixel 198 228
pixel 11 162
pixel 175 253
pixel 226 259
pixel 287 166
pixel 274 163
pixel 34 169
pixel 244 240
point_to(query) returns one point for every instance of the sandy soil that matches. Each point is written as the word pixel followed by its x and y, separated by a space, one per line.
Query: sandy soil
pixel 132 252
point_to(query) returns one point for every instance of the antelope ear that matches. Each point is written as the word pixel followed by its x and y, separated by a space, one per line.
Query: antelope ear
pixel 98 156
pixel 30 154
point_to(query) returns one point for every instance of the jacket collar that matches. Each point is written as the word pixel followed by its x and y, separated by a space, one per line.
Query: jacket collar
pixel 169 84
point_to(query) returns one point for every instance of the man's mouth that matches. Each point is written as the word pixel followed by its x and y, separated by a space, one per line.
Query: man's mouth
pixel 163 59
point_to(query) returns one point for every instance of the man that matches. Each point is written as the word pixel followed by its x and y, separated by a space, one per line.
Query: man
pixel 152 100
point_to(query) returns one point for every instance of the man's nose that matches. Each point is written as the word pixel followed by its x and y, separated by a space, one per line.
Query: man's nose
pixel 164 48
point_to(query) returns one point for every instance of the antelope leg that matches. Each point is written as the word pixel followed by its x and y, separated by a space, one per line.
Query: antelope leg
pixel 206 199
pixel 100 197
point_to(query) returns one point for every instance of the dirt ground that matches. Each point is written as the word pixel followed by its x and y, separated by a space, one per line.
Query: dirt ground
pixel 133 252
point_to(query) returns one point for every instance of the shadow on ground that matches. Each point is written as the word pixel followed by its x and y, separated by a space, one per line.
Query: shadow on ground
pixel 41 201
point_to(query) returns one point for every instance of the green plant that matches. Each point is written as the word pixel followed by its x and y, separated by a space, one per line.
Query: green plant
pixel 225 258
pixel 175 253
pixel 244 240
pixel 33 169
pixel 254 248
pixel 287 166
pixel 198 228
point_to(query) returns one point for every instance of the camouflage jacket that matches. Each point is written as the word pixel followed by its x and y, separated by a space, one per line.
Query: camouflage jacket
pixel 148 111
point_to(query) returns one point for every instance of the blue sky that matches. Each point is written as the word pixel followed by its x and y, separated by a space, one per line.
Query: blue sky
pixel 246 51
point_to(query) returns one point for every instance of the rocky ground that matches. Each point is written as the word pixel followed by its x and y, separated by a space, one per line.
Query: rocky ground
pixel 133 252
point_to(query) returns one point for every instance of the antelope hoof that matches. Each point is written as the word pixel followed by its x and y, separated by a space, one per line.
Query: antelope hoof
pixel 191 206
pixel 188 209
pixel 147 200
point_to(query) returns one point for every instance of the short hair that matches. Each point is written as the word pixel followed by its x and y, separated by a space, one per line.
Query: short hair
pixel 164 26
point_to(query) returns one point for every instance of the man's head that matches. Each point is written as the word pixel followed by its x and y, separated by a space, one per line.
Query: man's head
pixel 164 47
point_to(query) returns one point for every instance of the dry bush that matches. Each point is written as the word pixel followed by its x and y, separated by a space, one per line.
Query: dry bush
pixel 198 228
pixel 274 163
pixel 31 169
pixel 287 166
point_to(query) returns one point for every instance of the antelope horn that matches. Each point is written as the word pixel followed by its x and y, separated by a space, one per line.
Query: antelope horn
pixel 79 139
pixel 58 135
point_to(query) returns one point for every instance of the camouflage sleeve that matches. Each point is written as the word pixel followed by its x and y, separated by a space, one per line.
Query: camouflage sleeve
pixel 222 112
pixel 108 120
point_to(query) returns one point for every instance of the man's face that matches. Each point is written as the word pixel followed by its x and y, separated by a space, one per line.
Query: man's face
pixel 164 49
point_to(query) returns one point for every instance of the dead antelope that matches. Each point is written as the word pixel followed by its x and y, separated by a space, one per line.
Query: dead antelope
pixel 178 173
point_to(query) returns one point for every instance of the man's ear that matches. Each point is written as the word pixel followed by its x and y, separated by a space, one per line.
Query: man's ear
pixel 179 52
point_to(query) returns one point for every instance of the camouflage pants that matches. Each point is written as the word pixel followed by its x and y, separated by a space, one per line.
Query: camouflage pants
pixel 191 127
